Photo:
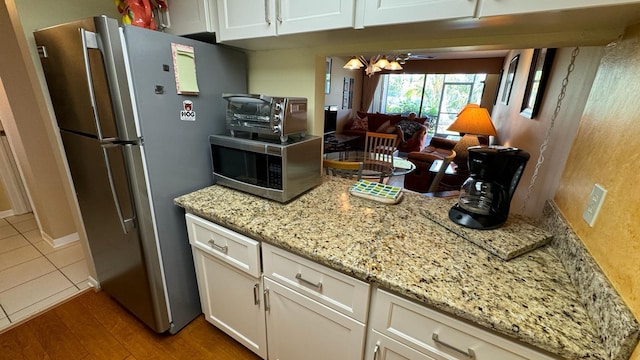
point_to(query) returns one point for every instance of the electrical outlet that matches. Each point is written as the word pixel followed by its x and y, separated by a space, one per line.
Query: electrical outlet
pixel 595 203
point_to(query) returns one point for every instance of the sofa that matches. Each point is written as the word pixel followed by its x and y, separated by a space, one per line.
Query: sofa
pixel 412 134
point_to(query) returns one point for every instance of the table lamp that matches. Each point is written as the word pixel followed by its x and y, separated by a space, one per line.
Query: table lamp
pixel 471 122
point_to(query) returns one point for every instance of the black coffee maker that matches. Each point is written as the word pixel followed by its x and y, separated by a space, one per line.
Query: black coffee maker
pixel 485 197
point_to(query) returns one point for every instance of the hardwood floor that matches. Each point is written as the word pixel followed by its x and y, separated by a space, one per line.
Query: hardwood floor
pixel 93 326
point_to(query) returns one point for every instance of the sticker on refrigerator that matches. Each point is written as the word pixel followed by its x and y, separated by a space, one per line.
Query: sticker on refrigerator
pixel 187 113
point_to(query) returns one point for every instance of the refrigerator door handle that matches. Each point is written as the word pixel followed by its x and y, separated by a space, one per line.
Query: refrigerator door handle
pixel 89 40
pixel 127 224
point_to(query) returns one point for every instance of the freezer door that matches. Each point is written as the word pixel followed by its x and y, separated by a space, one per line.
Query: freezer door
pixel 102 189
pixel 63 51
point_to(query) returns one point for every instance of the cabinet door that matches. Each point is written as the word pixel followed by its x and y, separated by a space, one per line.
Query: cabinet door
pixel 301 328
pixel 246 19
pixel 510 7
pixel 232 301
pixel 380 347
pixel 296 16
pixel 191 16
pixel 384 12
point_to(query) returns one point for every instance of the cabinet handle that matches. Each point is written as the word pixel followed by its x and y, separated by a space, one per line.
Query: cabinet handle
pixel 375 351
pixel 256 296
pixel 469 353
pixel 279 11
pixel 303 280
pixel 223 249
pixel 267 306
pixel 267 16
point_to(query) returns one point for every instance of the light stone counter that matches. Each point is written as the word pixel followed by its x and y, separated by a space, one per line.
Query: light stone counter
pixel 529 298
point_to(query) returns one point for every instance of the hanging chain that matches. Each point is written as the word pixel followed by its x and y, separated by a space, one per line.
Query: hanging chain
pixel 547 136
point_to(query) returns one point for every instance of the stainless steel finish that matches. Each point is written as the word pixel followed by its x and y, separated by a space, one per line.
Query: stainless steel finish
pixel 89 41
pixel 310 283
pixel 42 52
pixel 127 224
pixel 267 16
pixel 125 192
pixel 222 249
pixel 267 305
pixel 270 115
pixel 256 294
pixel 301 165
pixel 115 65
pixel 469 353
pixel 375 351
pixel 279 11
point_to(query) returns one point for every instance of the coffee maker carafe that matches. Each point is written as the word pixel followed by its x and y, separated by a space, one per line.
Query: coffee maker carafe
pixel 485 197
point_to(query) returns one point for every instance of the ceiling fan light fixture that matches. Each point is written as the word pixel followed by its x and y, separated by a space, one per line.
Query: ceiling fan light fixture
pixel 353 64
pixel 394 65
pixel 383 63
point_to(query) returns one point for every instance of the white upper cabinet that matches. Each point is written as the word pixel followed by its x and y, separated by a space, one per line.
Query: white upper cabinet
pixel 387 12
pixel 259 18
pixel 512 7
pixel 191 16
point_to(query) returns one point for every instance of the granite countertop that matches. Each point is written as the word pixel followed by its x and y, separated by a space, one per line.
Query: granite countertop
pixel 529 298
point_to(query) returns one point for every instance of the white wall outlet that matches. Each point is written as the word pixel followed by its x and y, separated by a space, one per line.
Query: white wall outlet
pixel 595 203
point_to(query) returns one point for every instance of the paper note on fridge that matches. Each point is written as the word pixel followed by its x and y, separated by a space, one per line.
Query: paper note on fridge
pixel 184 65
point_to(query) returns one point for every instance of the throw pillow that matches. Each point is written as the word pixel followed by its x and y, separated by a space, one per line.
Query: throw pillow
pixel 408 128
pixel 382 127
pixel 360 124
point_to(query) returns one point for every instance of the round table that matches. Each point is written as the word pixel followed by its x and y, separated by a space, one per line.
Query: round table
pixel 374 169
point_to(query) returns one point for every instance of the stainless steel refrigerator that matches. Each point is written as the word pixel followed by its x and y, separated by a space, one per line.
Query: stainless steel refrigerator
pixel 133 144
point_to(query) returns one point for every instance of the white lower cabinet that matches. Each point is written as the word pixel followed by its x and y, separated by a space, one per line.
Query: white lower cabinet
pixel 301 328
pixel 227 269
pixel 313 312
pixel 286 307
pixel 380 347
pixel 401 329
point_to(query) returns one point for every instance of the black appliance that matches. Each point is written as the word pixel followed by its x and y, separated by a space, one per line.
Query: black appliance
pixel 485 197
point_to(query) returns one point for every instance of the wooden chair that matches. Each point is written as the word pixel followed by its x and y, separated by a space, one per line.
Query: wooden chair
pixel 345 169
pixel 378 152
pixel 445 164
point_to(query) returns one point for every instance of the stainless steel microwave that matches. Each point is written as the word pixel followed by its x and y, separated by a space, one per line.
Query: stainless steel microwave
pixel 265 168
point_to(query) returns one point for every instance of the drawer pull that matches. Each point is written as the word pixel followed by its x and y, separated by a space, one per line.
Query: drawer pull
pixel 256 294
pixel 303 280
pixel 223 249
pixel 469 353
pixel 375 351
pixel 267 305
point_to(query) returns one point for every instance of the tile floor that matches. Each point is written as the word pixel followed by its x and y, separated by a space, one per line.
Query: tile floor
pixel 33 275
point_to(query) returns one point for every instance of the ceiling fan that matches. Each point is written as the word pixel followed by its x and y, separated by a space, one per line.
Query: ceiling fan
pixel 404 57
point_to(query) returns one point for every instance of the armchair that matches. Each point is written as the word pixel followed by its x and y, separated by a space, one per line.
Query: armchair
pixel 421 178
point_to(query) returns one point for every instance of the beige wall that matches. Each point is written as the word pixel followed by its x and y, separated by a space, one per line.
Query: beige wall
pixel 338 74
pixel 528 134
pixel 26 121
pixel 5 204
pixel 606 151
pixel 290 73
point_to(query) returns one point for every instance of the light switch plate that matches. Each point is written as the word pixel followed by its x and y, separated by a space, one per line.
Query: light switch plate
pixel 595 203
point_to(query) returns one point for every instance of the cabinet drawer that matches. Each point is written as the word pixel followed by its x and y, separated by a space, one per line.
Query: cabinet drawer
pixel 431 332
pixel 338 291
pixel 232 248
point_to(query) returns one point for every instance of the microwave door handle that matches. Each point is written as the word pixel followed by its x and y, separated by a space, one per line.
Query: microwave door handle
pixel 89 40
pixel 114 194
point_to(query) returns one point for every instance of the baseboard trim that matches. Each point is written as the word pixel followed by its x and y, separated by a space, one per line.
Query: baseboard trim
pixel 93 283
pixel 6 213
pixel 61 241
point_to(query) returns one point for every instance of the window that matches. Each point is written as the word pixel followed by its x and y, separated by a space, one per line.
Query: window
pixel 438 96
